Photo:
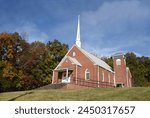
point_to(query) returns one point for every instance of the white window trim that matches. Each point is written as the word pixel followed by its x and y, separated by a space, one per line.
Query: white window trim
pixel 87 72
pixel 73 54
pixel 118 62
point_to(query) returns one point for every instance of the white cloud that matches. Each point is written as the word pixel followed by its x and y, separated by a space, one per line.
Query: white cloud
pixel 99 51
pixel 115 26
pixel 31 32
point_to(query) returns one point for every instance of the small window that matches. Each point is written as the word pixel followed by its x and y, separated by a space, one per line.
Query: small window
pixel 118 62
pixel 74 54
pixel 66 61
pixel 87 74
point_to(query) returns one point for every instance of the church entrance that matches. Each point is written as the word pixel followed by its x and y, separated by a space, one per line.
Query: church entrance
pixel 65 78
pixel 64 75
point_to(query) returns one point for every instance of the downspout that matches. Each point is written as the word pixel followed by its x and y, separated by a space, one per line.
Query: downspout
pixel 98 76
pixel 76 74
pixel 114 79
pixel 127 79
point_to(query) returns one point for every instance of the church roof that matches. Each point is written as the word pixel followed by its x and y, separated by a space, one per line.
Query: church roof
pixel 74 61
pixel 117 54
pixel 93 58
pixel 96 60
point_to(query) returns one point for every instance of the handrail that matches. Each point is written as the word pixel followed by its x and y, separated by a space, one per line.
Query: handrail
pixel 88 83
pixel 92 83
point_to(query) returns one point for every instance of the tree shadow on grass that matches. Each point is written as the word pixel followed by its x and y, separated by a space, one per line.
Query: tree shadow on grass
pixel 13 99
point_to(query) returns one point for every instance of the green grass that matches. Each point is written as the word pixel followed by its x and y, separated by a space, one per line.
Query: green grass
pixel 91 94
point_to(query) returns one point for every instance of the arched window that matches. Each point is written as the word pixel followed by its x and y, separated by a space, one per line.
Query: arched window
pixel 73 54
pixel 87 74
pixel 118 62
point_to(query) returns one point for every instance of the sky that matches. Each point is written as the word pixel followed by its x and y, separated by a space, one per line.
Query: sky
pixel 107 26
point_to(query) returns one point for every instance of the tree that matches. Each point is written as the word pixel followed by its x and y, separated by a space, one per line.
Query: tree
pixel 52 54
pixel 57 50
pixel 140 68
pixel 26 66
pixel 109 61
pixel 39 67
pixel 10 75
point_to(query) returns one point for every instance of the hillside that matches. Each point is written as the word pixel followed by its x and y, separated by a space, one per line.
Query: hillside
pixel 91 94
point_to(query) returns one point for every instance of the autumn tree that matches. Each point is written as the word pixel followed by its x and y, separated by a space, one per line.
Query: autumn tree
pixel 52 54
pixel 39 60
pixel 9 57
pixel 26 66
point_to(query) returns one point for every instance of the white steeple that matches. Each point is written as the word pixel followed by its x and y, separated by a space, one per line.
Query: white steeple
pixel 78 42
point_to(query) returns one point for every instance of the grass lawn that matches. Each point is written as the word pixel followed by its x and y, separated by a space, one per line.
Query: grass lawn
pixel 90 94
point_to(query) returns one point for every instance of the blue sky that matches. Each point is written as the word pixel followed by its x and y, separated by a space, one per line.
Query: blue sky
pixel 107 26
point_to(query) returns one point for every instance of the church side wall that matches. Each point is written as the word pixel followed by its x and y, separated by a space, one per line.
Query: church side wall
pixel 96 72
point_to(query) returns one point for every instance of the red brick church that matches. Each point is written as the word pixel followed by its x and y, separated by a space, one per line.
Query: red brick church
pixel 80 68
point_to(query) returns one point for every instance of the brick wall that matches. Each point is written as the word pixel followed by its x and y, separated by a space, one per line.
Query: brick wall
pixel 79 71
pixel 120 69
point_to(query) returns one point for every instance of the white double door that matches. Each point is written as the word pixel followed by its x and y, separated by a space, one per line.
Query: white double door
pixel 65 78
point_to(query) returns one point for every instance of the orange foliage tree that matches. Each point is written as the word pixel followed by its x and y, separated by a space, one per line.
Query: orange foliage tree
pixel 8 56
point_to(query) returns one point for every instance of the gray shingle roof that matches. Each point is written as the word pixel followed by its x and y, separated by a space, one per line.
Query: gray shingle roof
pixel 96 60
pixel 74 61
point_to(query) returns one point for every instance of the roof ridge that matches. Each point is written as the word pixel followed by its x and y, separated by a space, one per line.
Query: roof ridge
pixel 96 60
